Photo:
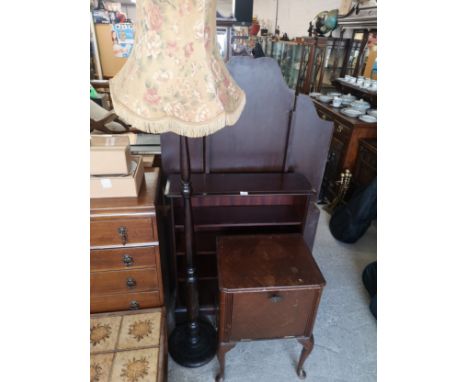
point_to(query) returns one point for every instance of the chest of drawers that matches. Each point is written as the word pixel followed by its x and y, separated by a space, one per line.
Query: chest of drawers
pixel 124 251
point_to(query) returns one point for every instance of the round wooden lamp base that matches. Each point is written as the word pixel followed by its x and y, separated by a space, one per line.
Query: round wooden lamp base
pixel 190 352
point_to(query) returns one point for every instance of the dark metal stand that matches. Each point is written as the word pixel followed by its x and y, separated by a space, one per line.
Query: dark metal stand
pixel 193 343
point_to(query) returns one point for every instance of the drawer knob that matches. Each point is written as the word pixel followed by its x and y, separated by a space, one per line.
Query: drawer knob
pixel 134 305
pixel 276 298
pixel 127 260
pixel 131 282
pixel 123 234
pixel 339 128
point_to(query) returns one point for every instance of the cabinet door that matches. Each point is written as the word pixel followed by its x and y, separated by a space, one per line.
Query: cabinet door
pixel 332 168
pixel 259 315
pixel 334 62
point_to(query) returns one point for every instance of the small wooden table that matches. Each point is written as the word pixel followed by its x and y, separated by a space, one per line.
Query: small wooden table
pixel 270 287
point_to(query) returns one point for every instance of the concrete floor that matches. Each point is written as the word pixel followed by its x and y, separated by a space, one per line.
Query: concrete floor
pixel 345 331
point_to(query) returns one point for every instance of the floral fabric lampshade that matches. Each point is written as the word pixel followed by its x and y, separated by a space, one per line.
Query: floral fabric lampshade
pixel 175 79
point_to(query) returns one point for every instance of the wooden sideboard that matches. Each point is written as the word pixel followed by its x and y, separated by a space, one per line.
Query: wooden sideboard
pixel 231 204
pixel 125 259
pixel 344 146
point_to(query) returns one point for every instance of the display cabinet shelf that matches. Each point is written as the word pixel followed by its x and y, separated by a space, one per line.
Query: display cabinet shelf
pixel 368 95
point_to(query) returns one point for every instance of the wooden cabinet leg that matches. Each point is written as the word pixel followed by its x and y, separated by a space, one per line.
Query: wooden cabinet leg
pixel 308 345
pixel 222 350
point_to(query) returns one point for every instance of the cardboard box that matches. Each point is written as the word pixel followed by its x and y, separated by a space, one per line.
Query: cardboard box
pixel 110 155
pixel 119 186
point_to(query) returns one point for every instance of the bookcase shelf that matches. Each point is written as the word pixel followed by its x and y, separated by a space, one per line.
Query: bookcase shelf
pixel 231 204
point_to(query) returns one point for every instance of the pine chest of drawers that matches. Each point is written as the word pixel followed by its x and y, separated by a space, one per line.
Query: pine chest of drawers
pixel 124 256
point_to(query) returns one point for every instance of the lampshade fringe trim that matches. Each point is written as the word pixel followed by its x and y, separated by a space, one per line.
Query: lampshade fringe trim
pixel 177 126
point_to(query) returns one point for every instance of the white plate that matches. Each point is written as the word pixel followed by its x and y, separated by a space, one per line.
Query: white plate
pixel 367 118
pixel 372 112
pixel 315 94
pixel 351 112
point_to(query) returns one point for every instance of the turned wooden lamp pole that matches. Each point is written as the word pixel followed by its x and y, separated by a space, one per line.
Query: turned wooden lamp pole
pixel 193 343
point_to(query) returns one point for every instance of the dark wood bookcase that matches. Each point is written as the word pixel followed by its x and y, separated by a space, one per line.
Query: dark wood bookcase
pixel 231 204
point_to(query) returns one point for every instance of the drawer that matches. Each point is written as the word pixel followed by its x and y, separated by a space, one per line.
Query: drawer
pixel 342 132
pixel 124 281
pixel 122 231
pixel 267 314
pixel 124 258
pixel 127 301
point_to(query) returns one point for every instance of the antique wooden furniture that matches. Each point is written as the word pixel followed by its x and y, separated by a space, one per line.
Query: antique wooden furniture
pixel 366 164
pixel 270 287
pixel 125 259
pixel 129 346
pixel 232 204
pixel 274 137
pixel 344 146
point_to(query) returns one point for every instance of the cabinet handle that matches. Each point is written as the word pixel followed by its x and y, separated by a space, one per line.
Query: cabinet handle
pixel 123 234
pixel 339 128
pixel 131 282
pixel 127 260
pixel 276 298
pixel 323 116
pixel 134 305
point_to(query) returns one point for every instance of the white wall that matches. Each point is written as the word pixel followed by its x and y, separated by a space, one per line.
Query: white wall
pixel 293 15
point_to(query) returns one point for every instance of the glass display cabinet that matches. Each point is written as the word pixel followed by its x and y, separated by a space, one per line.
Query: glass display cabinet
pixel 289 56
pixel 314 63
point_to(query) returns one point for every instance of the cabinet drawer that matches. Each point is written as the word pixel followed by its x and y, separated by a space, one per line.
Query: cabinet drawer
pixel 122 231
pixel 124 258
pixel 124 281
pixel 342 132
pixel 267 314
pixel 127 301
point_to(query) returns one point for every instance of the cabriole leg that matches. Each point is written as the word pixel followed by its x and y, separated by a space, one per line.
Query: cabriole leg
pixel 308 345
pixel 222 350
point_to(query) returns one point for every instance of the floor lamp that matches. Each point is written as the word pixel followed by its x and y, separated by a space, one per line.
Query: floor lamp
pixel 175 81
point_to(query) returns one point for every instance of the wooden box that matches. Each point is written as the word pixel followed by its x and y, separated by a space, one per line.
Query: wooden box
pixel 270 287
pixel 128 346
